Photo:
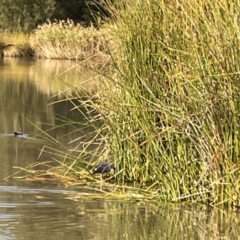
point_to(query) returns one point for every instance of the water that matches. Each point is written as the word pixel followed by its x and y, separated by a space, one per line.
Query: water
pixel 39 211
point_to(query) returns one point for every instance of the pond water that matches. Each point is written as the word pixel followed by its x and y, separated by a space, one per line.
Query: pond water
pixel 33 210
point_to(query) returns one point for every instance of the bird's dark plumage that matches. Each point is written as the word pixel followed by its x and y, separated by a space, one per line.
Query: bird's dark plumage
pixel 18 133
pixel 103 167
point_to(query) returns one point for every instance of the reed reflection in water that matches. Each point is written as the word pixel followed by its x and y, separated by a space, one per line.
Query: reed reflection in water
pixel 44 213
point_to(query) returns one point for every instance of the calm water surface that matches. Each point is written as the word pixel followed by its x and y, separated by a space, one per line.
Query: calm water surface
pixel 33 210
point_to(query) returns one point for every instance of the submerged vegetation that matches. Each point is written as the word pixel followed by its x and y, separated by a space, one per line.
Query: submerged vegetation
pixel 169 107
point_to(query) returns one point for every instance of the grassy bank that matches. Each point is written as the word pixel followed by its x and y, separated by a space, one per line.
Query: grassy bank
pixel 15 45
pixel 61 40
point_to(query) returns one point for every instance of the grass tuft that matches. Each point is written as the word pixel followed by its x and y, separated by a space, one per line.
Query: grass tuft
pixel 66 40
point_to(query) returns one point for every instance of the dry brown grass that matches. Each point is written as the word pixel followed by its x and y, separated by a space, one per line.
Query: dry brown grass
pixel 66 40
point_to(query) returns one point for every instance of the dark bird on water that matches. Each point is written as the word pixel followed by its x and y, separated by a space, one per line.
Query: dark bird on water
pixel 19 133
pixel 103 167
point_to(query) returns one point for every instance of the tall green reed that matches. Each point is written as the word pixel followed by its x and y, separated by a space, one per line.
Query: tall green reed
pixel 171 108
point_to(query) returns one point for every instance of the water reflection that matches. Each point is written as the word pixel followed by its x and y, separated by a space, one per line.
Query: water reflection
pixel 28 89
pixel 57 77
pixel 43 213
pixel 31 210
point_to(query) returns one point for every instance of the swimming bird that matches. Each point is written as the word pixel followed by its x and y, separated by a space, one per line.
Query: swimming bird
pixel 19 133
pixel 103 167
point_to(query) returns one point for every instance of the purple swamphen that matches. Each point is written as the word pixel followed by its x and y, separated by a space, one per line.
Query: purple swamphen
pixel 103 167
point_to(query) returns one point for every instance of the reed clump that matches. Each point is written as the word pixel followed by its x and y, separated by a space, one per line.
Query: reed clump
pixel 170 109
pixel 167 113
pixel 67 40
pixel 15 45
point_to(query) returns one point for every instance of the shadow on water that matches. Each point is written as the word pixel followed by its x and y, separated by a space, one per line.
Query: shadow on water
pixel 33 210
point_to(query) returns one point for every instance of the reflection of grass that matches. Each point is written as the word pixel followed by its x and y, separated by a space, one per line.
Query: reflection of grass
pixel 51 77
pixel 60 77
